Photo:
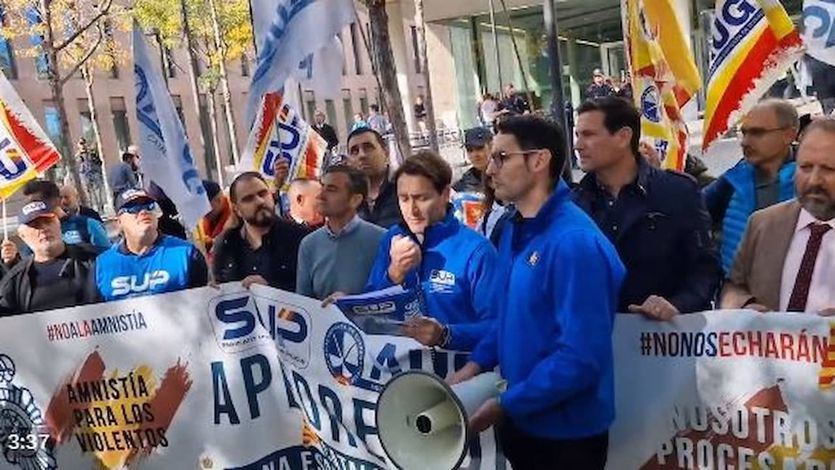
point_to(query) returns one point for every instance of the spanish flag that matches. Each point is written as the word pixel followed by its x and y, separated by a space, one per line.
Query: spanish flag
pixel 754 41
pixel 664 74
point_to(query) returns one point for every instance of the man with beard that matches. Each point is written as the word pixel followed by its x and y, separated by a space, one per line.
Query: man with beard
pixel 367 151
pixel 146 262
pixel 263 249
pixel 786 261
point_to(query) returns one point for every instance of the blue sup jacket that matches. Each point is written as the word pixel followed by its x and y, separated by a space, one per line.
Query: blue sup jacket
pixel 559 279
pixel 455 278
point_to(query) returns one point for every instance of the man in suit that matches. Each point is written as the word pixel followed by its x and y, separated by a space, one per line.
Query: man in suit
pixel 787 258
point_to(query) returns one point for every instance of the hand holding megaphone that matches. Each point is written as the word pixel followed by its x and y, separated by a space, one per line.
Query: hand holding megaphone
pixel 405 256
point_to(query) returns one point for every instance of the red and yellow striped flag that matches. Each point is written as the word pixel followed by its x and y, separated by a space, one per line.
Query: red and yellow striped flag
pixel 754 41
pixel 664 74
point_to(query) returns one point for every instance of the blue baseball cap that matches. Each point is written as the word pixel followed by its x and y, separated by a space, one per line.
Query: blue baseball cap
pixel 131 197
pixel 35 210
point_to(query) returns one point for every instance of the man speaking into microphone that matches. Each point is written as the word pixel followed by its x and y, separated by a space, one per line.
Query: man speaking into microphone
pixel 449 264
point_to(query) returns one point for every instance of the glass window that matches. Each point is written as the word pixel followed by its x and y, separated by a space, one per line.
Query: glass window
pixel 7 61
pixel 244 65
pixel 416 49
pixel 330 109
pixel 52 123
pixel 347 107
pixel 85 119
pixel 206 130
pixel 310 104
pixel 344 59
pixel 364 101
pixel 373 57
pixel 119 115
pixel 41 62
pixel 466 76
pixel 169 62
pixel 356 40
pixel 178 105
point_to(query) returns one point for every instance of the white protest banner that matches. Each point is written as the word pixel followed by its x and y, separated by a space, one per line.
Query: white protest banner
pixel 205 378
pixel 819 29
pixel 724 390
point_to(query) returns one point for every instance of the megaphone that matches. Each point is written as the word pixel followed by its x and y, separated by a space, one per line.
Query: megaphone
pixel 422 421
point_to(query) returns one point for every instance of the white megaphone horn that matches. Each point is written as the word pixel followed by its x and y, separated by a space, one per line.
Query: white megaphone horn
pixel 422 421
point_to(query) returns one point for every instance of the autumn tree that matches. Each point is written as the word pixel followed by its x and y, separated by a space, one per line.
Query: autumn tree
pixel 66 35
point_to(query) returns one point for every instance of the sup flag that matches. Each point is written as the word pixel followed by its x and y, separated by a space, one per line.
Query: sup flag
pixel 25 150
pixel 754 41
pixel 664 75
pixel 279 132
pixel 166 156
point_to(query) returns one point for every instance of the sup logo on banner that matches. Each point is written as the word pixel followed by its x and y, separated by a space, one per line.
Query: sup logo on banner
pixel 22 436
pixel 236 324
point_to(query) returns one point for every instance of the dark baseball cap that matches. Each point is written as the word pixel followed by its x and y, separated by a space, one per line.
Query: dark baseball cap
pixel 477 137
pixel 35 210
pixel 130 197
pixel 212 189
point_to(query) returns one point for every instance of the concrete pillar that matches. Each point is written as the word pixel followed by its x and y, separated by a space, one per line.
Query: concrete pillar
pixel 442 71
pixel 402 60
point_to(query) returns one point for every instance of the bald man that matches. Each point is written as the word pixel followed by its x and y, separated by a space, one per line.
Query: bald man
pixel 71 204
pixel 302 196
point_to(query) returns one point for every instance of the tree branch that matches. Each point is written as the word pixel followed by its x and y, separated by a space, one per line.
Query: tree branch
pixel 78 32
pixel 84 58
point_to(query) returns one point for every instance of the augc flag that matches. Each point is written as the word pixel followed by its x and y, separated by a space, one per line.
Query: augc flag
pixel 754 41
pixel 279 132
pixel 664 75
pixel 25 150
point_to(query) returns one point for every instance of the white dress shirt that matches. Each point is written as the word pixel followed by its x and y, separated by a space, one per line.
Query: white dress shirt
pixel 822 290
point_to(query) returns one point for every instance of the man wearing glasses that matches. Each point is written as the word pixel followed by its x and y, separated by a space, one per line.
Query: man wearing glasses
pixel 559 279
pixel 656 219
pixel 146 262
pixel 762 179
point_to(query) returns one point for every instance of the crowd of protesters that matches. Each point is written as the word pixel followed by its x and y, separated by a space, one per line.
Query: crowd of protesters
pixel 533 289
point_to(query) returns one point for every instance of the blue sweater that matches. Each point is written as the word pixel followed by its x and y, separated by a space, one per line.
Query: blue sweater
pixel 455 277
pixel 559 280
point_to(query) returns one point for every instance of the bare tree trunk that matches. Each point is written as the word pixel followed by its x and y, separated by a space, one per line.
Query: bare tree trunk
pixel 381 41
pixel 224 83
pixel 193 72
pixel 58 96
pixel 210 101
pixel 420 26
pixel 91 107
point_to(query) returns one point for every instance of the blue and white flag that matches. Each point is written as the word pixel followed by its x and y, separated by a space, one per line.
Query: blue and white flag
pixel 819 29
pixel 166 157
pixel 298 31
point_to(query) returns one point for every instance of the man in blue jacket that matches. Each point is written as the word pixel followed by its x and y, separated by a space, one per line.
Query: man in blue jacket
pixel 764 178
pixel 450 264
pixel 559 279
pixel 146 262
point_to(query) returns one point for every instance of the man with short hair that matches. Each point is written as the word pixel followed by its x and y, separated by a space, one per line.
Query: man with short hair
pixel 325 130
pixel 513 103
pixel 57 275
pixel 763 178
pixel 124 175
pixel 786 261
pixel 377 121
pixel 558 283
pixel 303 207
pixel 450 264
pixel 338 257
pixel 71 203
pixel 368 151
pixel 146 262
pixel 263 248
pixel 656 219
pixel 599 88
pixel 215 222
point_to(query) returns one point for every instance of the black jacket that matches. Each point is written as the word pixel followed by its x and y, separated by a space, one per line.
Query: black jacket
pixel 470 182
pixel 386 210
pixel 16 287
pixel 89 212
pixel 328 133
pixel 280 244
pixel 661 230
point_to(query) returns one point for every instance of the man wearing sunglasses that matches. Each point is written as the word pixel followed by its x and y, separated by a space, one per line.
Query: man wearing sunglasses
pixel 762 179
pixel 146 262
pixel 558 278
pixel 656 219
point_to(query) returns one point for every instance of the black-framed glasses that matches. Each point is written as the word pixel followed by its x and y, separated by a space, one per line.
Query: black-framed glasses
pixel 137 208
pixel 499 158
pixel 756 132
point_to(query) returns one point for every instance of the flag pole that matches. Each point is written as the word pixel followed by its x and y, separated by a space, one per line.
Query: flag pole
pixel 5 224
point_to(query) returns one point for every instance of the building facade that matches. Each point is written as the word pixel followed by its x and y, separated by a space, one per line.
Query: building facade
pixel 115 104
